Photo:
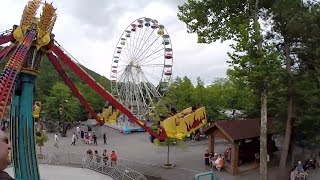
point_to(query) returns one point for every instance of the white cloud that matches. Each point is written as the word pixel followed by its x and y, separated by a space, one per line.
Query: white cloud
pixel 89 30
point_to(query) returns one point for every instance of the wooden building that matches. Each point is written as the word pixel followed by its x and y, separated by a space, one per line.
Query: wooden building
pixel 238 133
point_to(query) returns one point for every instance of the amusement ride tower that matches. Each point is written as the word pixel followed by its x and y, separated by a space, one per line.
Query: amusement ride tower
pixel 30 41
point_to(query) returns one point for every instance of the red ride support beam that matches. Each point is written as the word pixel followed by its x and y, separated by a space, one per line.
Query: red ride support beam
pixel 6 38
pixel 55 62
pixel 5 51
pixel 102 92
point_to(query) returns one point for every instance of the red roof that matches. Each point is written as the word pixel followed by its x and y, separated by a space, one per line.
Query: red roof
pixel 241 129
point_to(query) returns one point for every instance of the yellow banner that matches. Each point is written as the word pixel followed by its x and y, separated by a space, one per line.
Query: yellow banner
pixel 184 123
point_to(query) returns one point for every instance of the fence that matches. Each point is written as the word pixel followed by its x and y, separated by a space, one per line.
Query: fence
pixel 125 166
pixel 118 171
pixel 67 159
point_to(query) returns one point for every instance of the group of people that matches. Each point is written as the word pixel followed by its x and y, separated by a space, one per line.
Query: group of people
pixel 213 160
pixel 103 158
pixel 300 171
pixel 90 137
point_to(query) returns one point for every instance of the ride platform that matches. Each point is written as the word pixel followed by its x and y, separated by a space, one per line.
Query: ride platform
pixel 49 172
pixel 125 128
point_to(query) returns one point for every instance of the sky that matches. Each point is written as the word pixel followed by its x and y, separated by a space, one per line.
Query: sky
pixel 90 30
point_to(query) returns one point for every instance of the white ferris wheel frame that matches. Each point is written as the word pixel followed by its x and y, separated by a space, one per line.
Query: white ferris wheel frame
pixel 132 87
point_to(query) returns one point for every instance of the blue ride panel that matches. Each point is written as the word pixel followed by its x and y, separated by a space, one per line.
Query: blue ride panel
pixel 22 130
pixel 205 176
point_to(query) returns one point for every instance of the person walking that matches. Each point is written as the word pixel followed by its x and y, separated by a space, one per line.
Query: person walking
pixel 73 139
pixel 95 139
pixel 114 158
pixel 97 156
pixel 87 138
pixel 207 158
pixel 90 138
pixel 82 135
pixel 104 138
pixel 5 161
pixel 78 132
pixel 56 139
pixel 105 157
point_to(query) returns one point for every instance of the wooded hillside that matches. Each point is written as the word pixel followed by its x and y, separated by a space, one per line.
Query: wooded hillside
pixel 51 92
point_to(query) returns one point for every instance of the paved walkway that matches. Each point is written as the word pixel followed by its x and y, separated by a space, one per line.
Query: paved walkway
pixel 146 158
pixel 136 147
pixel 48 172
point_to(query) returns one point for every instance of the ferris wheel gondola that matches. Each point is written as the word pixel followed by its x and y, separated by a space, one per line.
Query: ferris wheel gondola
pixel 141 68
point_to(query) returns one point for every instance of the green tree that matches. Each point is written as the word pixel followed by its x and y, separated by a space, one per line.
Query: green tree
pixel 41 138
pixel 58 95
pixel 264 67
pixel 45 80
pixel 169 142
pixel 94 99
pixel 214 20
pixel 183 91
pixel 306 128
pixel 216 104
pixel 307 91
pixel 179 95
pixel 291 26
pixel 306 78
pixel 48 77
pixel 221 95
pixel 233 94
pixel 294 22
pixel 198 97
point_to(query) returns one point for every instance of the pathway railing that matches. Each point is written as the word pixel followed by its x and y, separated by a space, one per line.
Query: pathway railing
pixel 125 166
pixel 117 171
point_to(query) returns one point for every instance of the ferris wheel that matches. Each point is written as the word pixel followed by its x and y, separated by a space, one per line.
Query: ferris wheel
pixel 141 68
